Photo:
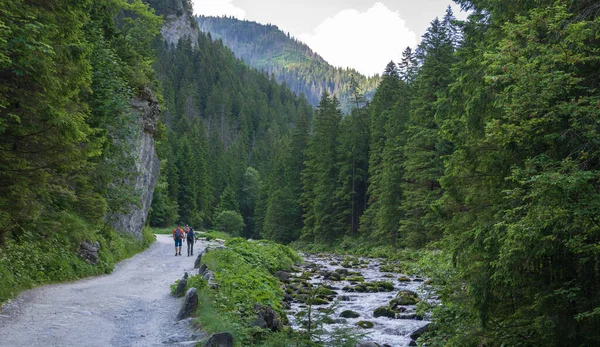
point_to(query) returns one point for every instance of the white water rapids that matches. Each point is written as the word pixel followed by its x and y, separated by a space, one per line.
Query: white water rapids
pixel 386 331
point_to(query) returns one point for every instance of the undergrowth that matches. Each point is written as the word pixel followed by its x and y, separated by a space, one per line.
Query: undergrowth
pixel 38 258
pixel 244 273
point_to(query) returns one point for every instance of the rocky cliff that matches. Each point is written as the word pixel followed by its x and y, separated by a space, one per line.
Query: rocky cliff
pixel 178 27
pixel 147 164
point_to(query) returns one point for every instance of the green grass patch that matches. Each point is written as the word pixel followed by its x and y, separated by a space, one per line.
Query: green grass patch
pixel 49 258
pixel 162 231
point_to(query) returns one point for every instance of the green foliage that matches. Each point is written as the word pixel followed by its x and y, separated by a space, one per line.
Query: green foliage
pixel 243 271
pixel 230 222
pixel 323 215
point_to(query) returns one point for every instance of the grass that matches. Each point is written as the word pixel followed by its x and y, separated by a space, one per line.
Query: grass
pixel 49 258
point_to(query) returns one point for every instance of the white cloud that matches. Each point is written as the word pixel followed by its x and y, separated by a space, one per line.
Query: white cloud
pixel 218 8
pixel 366 41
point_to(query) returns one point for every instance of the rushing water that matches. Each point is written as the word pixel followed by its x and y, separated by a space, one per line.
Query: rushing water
pixel 390 331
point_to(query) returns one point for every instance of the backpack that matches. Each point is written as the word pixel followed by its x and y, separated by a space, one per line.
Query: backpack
pixel 190 235
pixel 177 234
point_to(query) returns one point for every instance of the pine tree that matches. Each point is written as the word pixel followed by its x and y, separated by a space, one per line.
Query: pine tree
pixel 320 178
pixel 424 148
pixel 381 109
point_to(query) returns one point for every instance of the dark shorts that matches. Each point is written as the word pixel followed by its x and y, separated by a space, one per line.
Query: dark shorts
pixel 178 243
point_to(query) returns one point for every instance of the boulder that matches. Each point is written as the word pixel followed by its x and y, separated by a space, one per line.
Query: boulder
pixel 282 276
pixel 422 330
pixel 202 269
pixel 190 304
pixel 267 318
pixel 88 251
pixel 368 344
pixel 208 275
pixel 412 343
pixel 334 276
pixel 198 260
pixel 317 301
pixel 365 324
pixel 405 297
pixel 181 285
pixel 342 271
pixel 384 311
pixel 349 314
pixel 220 340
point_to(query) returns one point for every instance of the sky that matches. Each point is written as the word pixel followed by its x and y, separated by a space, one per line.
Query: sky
pixel 361 34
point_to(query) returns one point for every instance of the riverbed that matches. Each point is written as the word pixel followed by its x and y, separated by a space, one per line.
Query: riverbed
pixel 360 285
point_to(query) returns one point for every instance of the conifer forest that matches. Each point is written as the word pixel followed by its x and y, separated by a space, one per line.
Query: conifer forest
pixel 480 146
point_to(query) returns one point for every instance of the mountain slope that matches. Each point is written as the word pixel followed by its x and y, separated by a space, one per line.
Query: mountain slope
pixel 267 48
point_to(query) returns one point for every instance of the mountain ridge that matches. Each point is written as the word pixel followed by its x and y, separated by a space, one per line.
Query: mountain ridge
pixel 290 61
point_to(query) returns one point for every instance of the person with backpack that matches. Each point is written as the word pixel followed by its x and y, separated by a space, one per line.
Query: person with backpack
pixel 191 239
pixel 178 237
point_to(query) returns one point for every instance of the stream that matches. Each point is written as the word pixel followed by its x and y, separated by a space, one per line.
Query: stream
pixel 360 285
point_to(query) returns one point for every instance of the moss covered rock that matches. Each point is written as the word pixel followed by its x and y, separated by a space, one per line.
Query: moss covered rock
pixel 384 311
pixel 317 301
pixel 349 314
pixel 365 324
pixel 405 297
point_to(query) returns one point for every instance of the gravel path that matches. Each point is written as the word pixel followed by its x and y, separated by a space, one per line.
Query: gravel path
pixel 130 307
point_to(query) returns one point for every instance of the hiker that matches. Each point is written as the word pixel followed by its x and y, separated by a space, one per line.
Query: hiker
pixel 186 230
pixel 191 239
pixel 178 237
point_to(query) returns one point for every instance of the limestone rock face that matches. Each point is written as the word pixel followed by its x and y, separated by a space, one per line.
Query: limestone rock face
pixel 147 165
pixel 178 27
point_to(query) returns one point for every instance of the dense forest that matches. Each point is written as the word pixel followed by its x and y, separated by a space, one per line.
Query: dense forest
pixel 267 48
pixel 69 70
pixel 482 145
pixel 227 125
pixel 482 142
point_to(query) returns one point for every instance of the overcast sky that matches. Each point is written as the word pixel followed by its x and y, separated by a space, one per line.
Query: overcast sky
pixel 362 34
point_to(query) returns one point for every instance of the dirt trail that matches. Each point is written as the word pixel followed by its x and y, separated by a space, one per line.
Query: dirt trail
pixel 130 307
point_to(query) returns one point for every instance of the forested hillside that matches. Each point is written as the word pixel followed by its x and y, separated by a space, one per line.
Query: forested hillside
pixel 70 71
pixel 269 49
pixel 227 127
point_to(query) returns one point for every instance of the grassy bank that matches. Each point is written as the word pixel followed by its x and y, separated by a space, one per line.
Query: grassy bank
pixel 37 259
pixel 244 271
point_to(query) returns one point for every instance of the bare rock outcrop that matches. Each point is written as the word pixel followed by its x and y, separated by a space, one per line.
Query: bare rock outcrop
pixel 147 165
pixel 177 28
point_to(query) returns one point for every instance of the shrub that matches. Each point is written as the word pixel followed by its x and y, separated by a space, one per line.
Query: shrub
pixel 230 222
